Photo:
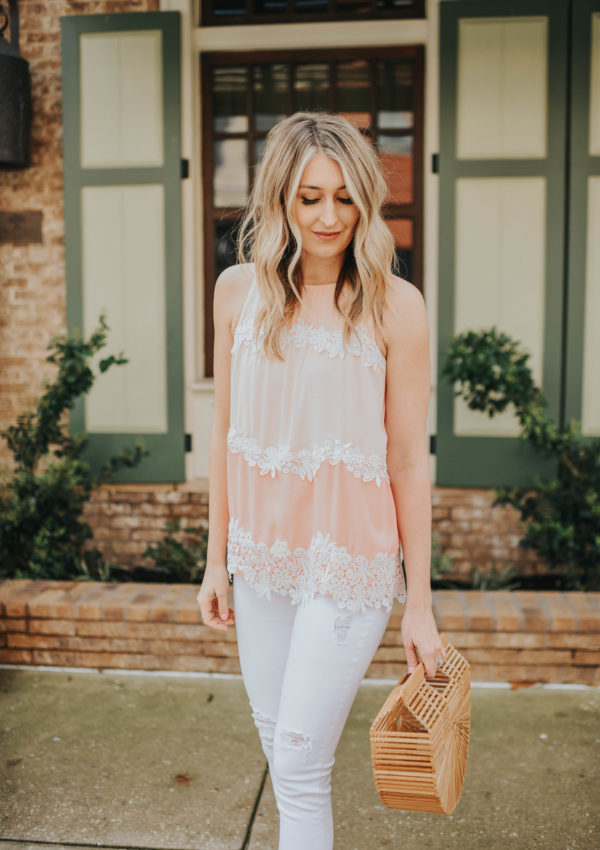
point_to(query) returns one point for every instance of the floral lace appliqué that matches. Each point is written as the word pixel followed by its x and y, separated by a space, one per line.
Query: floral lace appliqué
pixel 354 581
pixel 306 462
pixel 304 333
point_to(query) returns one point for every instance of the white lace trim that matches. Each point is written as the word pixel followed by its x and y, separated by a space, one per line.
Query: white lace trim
pixel 317 337
pixel 306 462
pixel 354 582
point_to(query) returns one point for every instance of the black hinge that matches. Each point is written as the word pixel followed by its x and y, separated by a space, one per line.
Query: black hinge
pixel 187 442
pixel 185 169
pixel 432 446
pixel 435 163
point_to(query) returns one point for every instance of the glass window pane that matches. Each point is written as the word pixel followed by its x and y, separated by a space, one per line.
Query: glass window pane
pixel 394 4
pixel 226 11
pixel 311 6
pixel 225 252
pixel 225 8
pixel 402 231
pixel 271 7
pixel 270 95
pixel 395 93
pixel 259 145
pixel 353 7
pixel 396 154
pixel 231 173
pixel 354 92
pixel 230 99
pixel 312 86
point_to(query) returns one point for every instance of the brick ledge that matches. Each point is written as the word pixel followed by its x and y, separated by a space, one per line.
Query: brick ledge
pixel 516 636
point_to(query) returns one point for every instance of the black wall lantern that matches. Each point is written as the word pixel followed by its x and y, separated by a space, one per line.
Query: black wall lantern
pixel 15 95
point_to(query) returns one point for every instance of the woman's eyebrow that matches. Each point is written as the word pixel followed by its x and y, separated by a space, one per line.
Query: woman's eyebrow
pixel 318 188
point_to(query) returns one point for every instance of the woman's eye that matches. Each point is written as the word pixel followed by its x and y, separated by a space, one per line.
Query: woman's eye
pixel 307 201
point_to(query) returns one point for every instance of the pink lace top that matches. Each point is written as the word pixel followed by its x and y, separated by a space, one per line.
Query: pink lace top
pixel 311 508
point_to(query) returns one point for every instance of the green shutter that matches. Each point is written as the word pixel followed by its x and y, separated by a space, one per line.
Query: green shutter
pixel 486 459
pixel 122 160
pixel 584 183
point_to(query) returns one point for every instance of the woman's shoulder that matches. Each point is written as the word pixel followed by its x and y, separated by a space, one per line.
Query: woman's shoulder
pixel 403 300
pixel 405 311
pixel 231 289
pixel 400 291
pixel 234 278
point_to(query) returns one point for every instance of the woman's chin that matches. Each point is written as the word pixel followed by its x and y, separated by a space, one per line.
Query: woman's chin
pixel 325 250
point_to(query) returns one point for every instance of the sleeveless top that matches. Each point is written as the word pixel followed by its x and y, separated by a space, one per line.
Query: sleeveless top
pixel 311 509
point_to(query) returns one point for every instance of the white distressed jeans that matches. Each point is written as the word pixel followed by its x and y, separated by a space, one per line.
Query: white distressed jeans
pixel 302 667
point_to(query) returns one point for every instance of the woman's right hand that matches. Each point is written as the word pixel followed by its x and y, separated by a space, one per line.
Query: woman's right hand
pixel 212 599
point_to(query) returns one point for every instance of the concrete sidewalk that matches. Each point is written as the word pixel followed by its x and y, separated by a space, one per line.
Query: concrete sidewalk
pixel 120 760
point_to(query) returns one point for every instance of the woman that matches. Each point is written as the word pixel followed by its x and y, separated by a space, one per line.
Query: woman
pixel 318 459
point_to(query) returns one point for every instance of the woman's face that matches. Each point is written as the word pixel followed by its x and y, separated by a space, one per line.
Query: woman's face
pixel 323 208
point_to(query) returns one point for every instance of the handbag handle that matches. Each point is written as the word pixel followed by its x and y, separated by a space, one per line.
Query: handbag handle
pixel 421 696
pixel 413 681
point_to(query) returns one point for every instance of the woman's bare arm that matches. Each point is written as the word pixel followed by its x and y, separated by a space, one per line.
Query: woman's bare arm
pixel 407 402
pixel 230 290
pixel 218 512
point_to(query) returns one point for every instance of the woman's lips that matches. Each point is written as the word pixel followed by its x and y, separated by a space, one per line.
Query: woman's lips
pixel 327 236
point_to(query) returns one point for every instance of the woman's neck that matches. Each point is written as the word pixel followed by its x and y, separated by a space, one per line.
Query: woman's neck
pixel 317 272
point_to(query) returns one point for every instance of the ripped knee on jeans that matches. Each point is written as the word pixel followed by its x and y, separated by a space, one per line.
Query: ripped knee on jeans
pixel 341 627
pixel 293 740
pixel 262 720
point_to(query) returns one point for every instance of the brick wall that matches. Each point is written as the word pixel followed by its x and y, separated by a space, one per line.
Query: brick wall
pixel 475 534
pixel 127 518
pixel 519 636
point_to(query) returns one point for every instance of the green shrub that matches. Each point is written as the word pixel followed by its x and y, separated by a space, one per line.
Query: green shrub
pixel 183 560
pixel 440 562
pixel 493 579
pixel 562 516
pixel 42 498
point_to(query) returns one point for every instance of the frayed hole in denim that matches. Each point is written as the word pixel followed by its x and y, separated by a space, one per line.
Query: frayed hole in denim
pixel 262 720
pixel 293 740
pixel 341 627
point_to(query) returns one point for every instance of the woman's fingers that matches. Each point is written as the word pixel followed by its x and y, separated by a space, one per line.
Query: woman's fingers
pixel 422 641
pixel 212 619
pixel 411 656
pixel 430 660
pixel 212 604
pixel 428 657
pixel 223 609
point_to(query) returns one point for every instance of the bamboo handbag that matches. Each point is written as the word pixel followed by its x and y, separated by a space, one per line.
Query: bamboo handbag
pixel 420 737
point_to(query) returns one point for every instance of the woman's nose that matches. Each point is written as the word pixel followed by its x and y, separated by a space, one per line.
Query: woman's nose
pixel 329 215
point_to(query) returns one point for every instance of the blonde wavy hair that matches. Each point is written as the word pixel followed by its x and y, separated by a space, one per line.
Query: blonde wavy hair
pixel 270 238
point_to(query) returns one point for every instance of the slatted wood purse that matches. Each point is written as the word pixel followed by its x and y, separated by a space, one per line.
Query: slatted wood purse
pixel 420 737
